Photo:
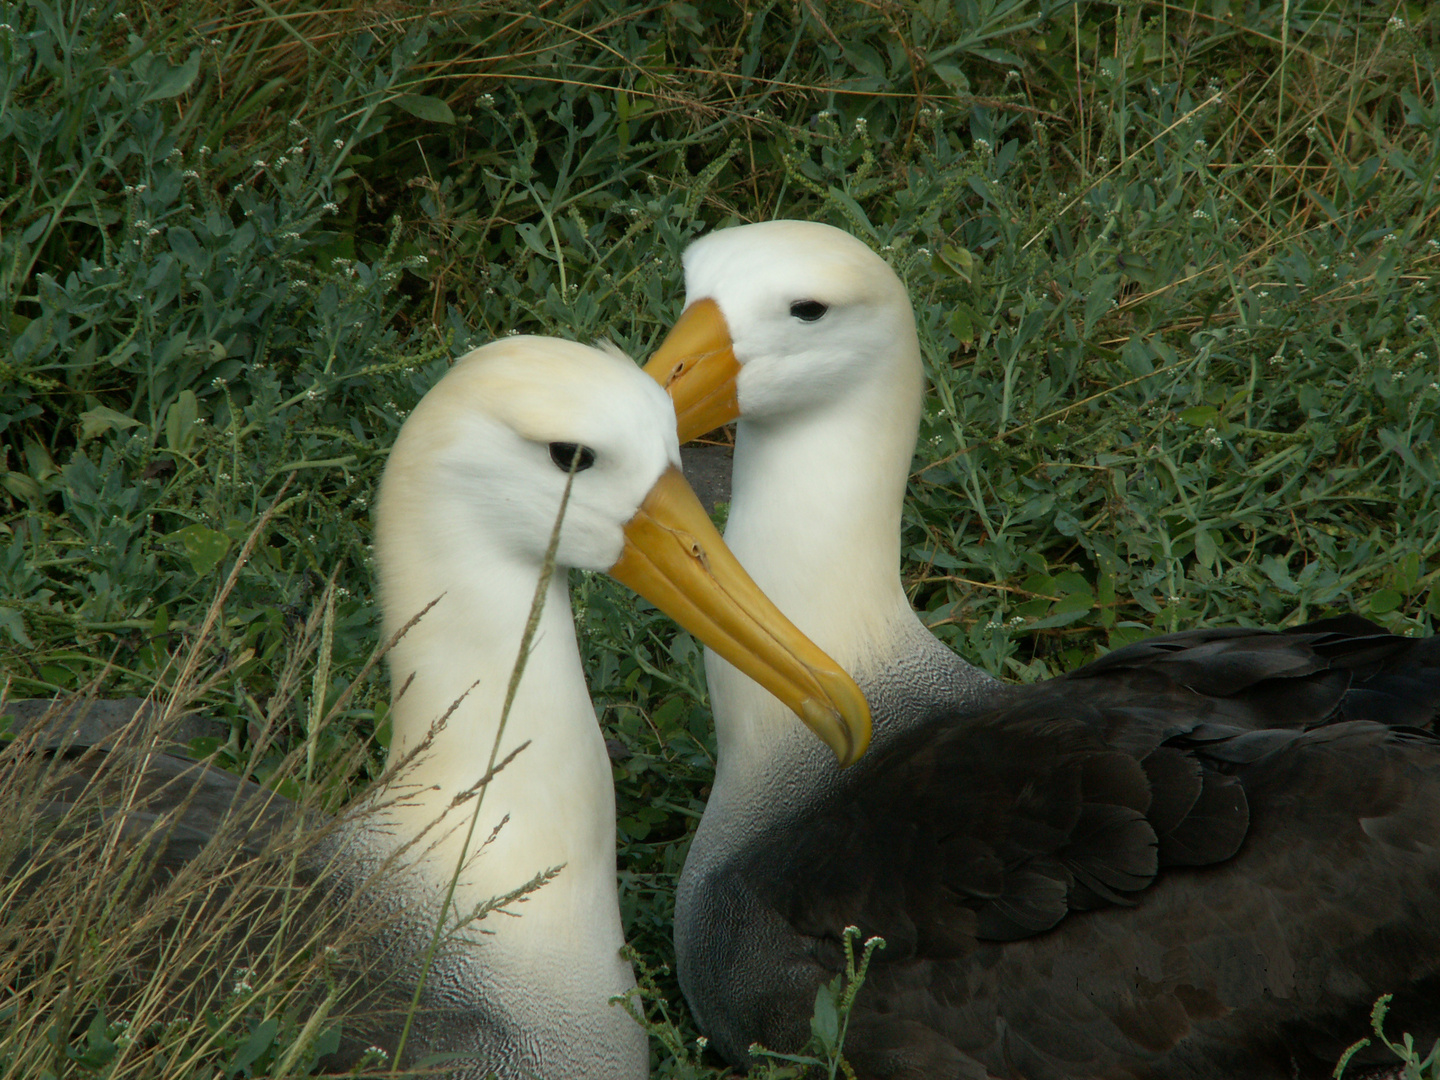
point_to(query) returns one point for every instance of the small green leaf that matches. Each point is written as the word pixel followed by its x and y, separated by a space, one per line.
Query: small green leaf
pixel 962 324
pixel 825 1023
pixel 1385 600
pixel 20 485
pixel 13 625
pixel 426 107
pixel 953 75
pixel 957 260
pixel 203 547
pixel 1199 415
pixel 259 1041
pixel 98 420
pixel 1205 550
pixel 1066 610
pixel 176 80
pixel 180 422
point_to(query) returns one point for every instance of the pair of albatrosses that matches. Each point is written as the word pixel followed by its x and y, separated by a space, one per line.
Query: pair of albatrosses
pixel 1204 855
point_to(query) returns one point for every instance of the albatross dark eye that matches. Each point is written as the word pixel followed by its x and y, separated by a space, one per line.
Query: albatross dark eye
pixel 808 310
pixel 564 453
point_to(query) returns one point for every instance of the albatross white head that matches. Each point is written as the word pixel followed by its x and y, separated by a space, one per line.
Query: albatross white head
pixel 806 336
pixel 465 514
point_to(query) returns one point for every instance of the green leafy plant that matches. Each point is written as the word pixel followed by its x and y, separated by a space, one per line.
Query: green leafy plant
pixel 1412 1065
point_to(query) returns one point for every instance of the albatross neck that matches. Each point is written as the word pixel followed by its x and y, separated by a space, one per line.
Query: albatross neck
pixel 556 791
pixel 815 518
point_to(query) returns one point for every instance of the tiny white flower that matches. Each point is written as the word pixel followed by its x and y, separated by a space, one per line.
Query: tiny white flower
pixel 330 208
pixel 1395 23
pixel 487 100
pixel 259 163
pixel 142 224
pixel 1199 144
pixel 1268 153
pixel 338 143
pixel 190 174
pixel 1199 214
pixel 1389 238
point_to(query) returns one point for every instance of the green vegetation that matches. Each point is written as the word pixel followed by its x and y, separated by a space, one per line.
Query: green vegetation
pixel 1175 271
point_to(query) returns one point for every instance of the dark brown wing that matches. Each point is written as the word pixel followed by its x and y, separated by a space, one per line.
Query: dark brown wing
pixel 1205 855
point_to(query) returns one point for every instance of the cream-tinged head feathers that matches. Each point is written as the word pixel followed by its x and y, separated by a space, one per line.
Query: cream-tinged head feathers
pixel 813 313
pixel 480 443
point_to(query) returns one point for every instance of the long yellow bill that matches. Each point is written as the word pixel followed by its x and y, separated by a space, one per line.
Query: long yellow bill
pixel 697 367
pixel 675 559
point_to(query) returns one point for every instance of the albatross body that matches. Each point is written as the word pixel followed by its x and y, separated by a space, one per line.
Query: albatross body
pixel 1205 855
pixel 464 518
pixel 465 513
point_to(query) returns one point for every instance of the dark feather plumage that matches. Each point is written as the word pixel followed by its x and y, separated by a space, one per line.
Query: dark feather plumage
pixel 1204 855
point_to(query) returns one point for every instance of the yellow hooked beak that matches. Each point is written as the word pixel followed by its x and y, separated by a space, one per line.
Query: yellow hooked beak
pixel 697 367
pixel 675 559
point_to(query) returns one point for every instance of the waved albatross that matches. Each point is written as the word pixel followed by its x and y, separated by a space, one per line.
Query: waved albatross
pixel 464 516
pixel 1204 855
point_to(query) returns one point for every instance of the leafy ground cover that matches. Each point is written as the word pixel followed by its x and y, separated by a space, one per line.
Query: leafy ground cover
pixel 1174 270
